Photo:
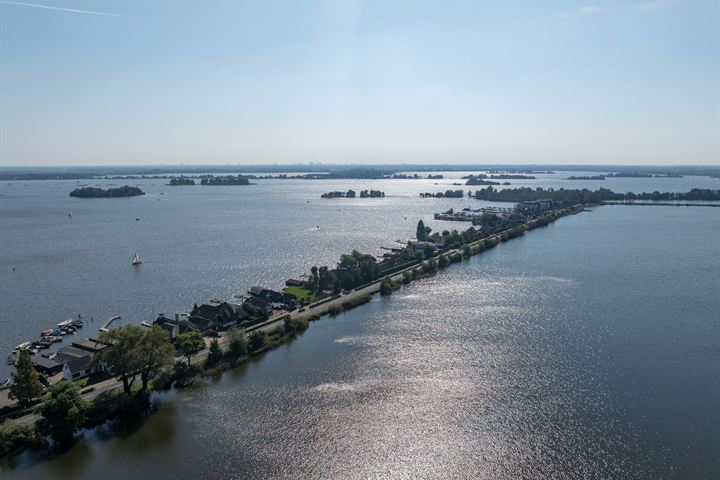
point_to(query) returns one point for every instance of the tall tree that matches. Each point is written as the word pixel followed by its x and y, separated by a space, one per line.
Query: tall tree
pixel 324 278
pixel 63 412
pixel 155 353
pixel 238 342
pixel 214 355
pixel 420 231
pixel 124 358
pixel 26 382
pixel 189 344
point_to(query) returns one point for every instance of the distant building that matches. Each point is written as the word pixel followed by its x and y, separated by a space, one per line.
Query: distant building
pixel 534 208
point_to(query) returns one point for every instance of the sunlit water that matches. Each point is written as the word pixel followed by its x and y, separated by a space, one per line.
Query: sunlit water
pixel 588 349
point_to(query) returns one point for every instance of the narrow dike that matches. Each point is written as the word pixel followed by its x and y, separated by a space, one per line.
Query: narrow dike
pixel 111 400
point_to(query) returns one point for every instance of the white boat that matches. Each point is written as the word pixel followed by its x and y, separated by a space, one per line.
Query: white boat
pixel 136 260
pixel 23 346
pixel 66 323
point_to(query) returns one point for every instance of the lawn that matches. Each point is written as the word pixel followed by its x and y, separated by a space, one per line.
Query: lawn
pixel 300 293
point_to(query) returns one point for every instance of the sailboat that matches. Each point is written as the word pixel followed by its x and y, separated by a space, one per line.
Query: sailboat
pixel 136 260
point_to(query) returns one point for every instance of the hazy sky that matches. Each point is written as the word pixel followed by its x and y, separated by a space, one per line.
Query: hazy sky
pixel 204 81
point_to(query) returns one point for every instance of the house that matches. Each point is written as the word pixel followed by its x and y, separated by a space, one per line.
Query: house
pixel 77 363
pixel 46 366
pixel 91 345
pixel 76 368
pixel 261 302
pixel 437 239
pixel 213 317
pixel 274 296
pixel 176 326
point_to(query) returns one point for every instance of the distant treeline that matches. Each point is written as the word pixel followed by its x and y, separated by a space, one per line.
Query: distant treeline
pixel 93 192
pixel 563 198
pixel 338 171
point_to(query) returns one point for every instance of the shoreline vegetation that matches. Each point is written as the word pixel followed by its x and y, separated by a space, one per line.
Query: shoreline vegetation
pixel 145 360
pixel 64 410
pixel 94 192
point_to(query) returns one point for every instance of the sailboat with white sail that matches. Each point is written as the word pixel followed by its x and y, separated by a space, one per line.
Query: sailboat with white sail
pixel 136 260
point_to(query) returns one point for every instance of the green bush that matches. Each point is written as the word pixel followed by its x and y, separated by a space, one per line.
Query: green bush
pixel 18 437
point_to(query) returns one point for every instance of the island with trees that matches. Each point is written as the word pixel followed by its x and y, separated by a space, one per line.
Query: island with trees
pixel 587 177
pixel 181 181
pixel 479 180
pixel 353 194
pixel 94 192
pixel 212 180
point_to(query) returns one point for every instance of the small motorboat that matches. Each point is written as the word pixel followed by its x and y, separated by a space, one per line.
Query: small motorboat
pixel 11 360
pixel 136 260
pixel 46 333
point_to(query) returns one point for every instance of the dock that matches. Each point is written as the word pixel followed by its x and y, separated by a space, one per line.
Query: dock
pixel 107 323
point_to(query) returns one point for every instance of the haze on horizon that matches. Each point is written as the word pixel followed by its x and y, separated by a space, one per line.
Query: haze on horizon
pixel 352 81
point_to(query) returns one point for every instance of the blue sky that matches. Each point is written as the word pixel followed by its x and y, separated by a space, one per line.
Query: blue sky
pixel 157 81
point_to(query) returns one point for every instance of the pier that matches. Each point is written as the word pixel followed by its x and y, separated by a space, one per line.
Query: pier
pixel 106 324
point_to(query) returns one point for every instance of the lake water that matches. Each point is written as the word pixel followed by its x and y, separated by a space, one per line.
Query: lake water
pixel 588 349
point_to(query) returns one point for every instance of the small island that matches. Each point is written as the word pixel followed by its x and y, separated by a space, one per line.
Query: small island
pixel 226 180
pixel 591 177
pixel 182 180
pixel 480 180
pixel 352 194
pixel 93 192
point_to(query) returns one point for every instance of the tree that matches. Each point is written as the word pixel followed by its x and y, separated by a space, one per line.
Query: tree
pixel 26 385
pixel 386 286
pixel 258 340
pixel 314 281
pixel 155 352
pixel 238 342
pixel 124 358
pixel 214 355
pixel 421 232
pixel 190 344
pixel 443 261
pixel 63 412
pixel 324 279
